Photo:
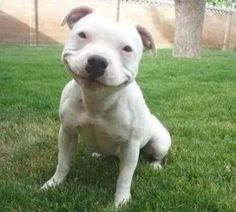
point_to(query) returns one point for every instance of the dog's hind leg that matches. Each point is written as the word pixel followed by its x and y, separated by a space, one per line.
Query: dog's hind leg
pixel 157 147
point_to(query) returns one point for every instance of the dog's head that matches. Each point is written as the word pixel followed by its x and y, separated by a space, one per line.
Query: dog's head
pixel 99 52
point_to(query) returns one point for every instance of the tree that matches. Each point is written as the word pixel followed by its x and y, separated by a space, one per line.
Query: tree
pixel 218 2
pixel 189 17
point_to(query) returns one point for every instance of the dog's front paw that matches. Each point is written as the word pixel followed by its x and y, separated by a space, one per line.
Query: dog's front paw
pixel 52 183
pixel 122 199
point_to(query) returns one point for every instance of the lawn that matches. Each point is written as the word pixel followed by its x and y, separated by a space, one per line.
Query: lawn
pixel 195 99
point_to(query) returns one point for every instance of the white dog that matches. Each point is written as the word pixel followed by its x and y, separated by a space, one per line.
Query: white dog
pixel 103 102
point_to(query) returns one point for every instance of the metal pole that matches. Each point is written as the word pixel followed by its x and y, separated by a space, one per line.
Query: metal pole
pixel 118 11
pixel 227 29
pixel 36 21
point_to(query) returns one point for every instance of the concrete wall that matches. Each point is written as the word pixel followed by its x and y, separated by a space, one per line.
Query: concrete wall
pixel 17 21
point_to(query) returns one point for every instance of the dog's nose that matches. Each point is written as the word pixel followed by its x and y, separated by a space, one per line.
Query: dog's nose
pixel 96 66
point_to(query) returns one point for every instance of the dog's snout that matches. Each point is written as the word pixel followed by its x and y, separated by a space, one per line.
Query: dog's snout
pixel 97 61
pixel 96 66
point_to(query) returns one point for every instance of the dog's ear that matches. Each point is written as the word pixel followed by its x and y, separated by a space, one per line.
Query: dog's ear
pixel 76 14
pixel 147 39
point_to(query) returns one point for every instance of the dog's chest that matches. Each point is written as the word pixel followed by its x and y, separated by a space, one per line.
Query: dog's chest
pixel 103 133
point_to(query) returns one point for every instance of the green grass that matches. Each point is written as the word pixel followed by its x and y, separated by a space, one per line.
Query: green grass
pixel 195 99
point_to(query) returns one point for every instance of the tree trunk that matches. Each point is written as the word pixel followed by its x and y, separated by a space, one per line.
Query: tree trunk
pixel 189 17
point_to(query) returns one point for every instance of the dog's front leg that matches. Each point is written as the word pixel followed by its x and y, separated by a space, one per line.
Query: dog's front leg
pixel 129 154
pixel 67 141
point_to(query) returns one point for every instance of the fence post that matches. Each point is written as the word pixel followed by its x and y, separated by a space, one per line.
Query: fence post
pixel 33 25
pixel 227 29
pixel 118 11
pixel 36 21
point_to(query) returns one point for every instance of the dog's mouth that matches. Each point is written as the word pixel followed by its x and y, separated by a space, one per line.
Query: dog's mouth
pixel 91 81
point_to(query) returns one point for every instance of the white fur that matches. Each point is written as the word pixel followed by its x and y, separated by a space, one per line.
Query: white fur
pixel 110 114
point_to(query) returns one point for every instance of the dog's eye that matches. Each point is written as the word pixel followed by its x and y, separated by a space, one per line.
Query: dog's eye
pixel 82 35
pixel 127 49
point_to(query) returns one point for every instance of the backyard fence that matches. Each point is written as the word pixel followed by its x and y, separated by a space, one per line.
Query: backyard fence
pixel 38 21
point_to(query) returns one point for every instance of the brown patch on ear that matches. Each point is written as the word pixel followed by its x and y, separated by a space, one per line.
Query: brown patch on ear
pixel 147 38
pixel 75 15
